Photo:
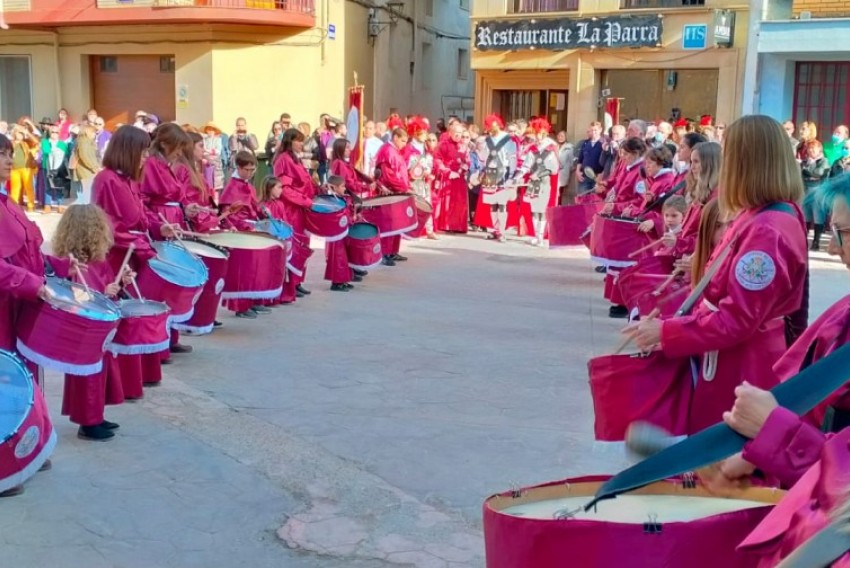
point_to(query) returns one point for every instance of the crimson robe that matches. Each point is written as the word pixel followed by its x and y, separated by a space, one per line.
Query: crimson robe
pixel 395 178
pixel 451 212
pixel 162 193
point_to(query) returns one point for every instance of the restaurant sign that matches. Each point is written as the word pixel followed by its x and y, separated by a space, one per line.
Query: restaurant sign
pixel 569 33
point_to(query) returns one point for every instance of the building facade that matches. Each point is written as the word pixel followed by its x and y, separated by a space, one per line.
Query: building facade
pixel 199 60
pixel 804 63
pixel 570 60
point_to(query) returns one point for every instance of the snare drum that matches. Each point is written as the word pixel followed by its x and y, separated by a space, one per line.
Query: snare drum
pixel 328 218
pixel 301 252
pixel 143 328
pixel 26 432
pixel 424 210
pixel 363 246
pixel 70 331
pixel 215 258
pixel 392 214
pixel 174 276
pixel 612 240
pixel 668 523
pixel 255 268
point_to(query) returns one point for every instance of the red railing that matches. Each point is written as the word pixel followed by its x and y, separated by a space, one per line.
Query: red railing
pixel 293 6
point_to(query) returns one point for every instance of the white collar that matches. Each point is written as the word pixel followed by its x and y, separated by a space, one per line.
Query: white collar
pixel 637 162
pixel 662 171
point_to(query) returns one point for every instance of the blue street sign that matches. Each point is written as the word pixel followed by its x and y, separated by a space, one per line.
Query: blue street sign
pixel 331 31
pixel 694 36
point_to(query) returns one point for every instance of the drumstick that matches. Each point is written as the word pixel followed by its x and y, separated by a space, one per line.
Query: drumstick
pixel 667 282
pixel 82 278
pixel 176 234
pixel 652 315
pixel 138 292
pixel 651 245
pixel 124 263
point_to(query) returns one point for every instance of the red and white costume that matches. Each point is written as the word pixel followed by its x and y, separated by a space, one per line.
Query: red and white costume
pixel 499 167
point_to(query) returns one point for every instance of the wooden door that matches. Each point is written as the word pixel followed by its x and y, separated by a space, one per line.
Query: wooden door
pixel 124 84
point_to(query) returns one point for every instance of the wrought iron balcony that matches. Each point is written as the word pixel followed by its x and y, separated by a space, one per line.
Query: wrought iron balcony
pixel 638 4
pixel 539 6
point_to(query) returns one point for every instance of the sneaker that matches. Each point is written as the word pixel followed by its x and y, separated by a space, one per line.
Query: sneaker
pixel 261 309
pixel 388 261
pixel 359 272
pixel 109 425
pixel 217 324
pixel 357 278
pixel 247 315
pixel 600 269
pixel 299 294
pixel 303 290
pixel 349 286
pixel 339 287
pixel 180 348
pixel 12 492
pixel 618 312
pixel 399 258
pixel 46 466
pixel 534 241
pixel 152 384
pixel 95 433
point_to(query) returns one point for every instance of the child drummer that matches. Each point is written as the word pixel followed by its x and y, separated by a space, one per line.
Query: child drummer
pixel 273 208
pixel 85 234
pixel 337 270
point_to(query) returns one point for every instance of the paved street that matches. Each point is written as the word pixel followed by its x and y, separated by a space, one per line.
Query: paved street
pixel 360 430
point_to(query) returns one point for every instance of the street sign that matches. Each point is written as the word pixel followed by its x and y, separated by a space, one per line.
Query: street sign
pixel 694 36
pixel 331 31
pixel 724 28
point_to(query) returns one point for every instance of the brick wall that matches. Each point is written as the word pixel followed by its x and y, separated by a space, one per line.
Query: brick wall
pixel 823 8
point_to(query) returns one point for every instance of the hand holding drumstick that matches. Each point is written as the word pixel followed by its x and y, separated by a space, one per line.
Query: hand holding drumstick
pixel 646 333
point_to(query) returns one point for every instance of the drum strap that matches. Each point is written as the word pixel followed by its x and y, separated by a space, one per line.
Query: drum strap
pixel 820 551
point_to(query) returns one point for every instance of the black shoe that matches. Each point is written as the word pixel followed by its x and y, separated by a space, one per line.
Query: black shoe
pixel 303 290
pixel 339 287
pixel 359 272
pixel 247 315
pixel 179 348
pixel 618 312
pixel 349 286
pixel 46 466
pixel 261 309
pixel 217 323
pixel 94 433
pixel 12 492
pixel 166 361
pixel 388 261
pixel 152 384
pixel 109 425
pixel 298 294
pixel 601 269
pixel 399 258
pixel 357 278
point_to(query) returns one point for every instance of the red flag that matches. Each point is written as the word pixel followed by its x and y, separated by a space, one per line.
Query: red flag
pixel 354 123
pixel 612 109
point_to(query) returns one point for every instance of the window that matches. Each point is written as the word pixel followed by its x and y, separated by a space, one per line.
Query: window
pixel 820 94
pixel 531 6
pixel 15 87
pixel 462 64
pixel 427 72
pixel 464 5
pixel 166 64
pixel 626 4
pixel 429 8
pixel 108 64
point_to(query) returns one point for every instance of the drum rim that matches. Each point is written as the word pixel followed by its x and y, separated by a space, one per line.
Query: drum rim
pixel 110 307
pixel 497 503
pixel 200 241
pixel 164 307
pixel 372 225
pixel 256 234
pixel 169 244
pixel 18 362
pixel 397 199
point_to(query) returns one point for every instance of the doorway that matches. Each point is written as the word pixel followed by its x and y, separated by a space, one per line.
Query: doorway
pixel 124 84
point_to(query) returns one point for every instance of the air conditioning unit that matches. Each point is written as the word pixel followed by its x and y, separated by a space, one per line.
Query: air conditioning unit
pixel 805 15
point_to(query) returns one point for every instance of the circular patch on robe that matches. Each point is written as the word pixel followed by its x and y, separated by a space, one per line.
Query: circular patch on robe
pixel 539 160
pixel 377 248
pixel 219 286
pixel 28 442
pixel 640 187
pixel 343 222
pixel 494 153
pixel 755 270
pixel 109 338
pixel 410 211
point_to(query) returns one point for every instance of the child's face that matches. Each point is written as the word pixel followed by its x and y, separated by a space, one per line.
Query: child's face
pixel 276 191
pixel 246 172
pixel 673 218
pixel 338 189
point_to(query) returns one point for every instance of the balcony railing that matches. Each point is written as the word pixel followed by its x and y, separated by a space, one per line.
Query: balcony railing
pixel 15 5
pixel 291 6
pixel 532 6
pixel 637 4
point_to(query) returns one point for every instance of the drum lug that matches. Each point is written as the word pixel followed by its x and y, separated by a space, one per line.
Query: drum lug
pixel 689 480
pixel 516 491
pixel 652 526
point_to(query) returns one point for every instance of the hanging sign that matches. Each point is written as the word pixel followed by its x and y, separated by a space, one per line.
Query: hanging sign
pixel 569 33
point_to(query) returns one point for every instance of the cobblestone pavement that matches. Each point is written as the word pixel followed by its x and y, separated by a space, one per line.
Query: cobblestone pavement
pixel 359 429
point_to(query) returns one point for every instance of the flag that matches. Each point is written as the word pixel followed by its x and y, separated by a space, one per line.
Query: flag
pixel 612 111
pixel 354 123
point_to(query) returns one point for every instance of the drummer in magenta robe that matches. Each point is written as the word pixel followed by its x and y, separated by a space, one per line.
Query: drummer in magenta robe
pixel 357 183
pixel 201 209
pixel 393 178
pixel 21 280
pixel 116 190
pixel 451 162
pixel 337 271
pixel 682 164
pixel 297 199
pixel 84 232
pixel 702 182
pixel 738 331
pixel 539 172
pixel 658 184
pixel 420 169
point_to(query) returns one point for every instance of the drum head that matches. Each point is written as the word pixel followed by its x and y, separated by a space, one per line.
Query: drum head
pixel 207 250
pixel 73 298
pixel 250 241
pixel 363 231
pixel 327 204
pixel 423 205
pixel 16 394
pixel 276 228
pixel 180 267
pixel 384 200
pixel 139 308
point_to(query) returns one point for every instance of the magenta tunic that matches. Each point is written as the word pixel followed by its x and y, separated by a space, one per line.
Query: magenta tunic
pixel 738 330
pixel 205 221
pixel 277 210
pixel 162 193
pixel 242 192
pixel 337 270
pixel 630 188
pixel 452 212
pixel 355 181
pixel 84 397
pixel 818 467
pixel 395 178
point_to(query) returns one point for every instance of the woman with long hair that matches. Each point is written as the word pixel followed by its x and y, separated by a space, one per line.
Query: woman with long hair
pixel 200 206
pixel 297 198
pixel 357 183
pixel 739 329
pixel 702 181
pixel 808 133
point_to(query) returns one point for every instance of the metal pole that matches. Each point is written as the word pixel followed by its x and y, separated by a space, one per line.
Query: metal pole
pixel 749 98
